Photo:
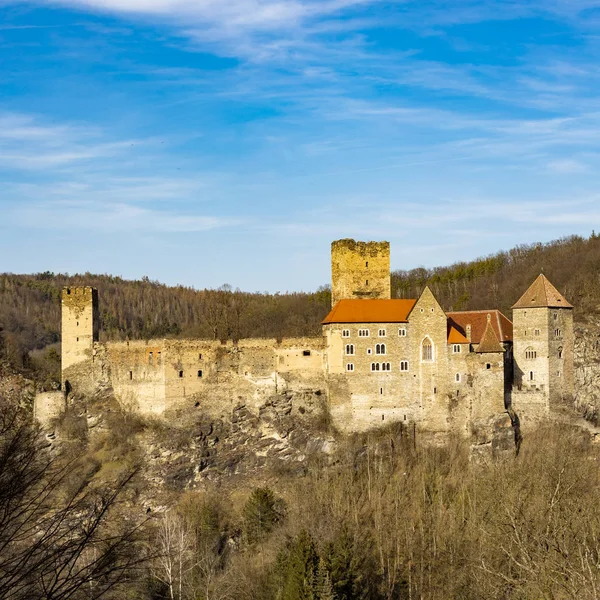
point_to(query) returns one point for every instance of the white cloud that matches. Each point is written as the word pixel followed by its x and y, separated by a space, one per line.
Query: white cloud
pixel 568 166
pixel 112 217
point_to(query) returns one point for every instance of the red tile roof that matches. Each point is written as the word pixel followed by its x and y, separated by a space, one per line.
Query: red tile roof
pixel 455 336
pixel 370 311
pixel 502 326
pixel 542 293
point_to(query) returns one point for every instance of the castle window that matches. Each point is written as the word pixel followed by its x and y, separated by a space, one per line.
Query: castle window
pixel 558 333
pixel 422 310
pixel 531 376
pixel 349 349
pixel 555 316
pixel 350 367
pixel 150 358
pixel 130 374
pixel 381 393
pixel 380 349
pixel 560 352
pixel 199 374
pixel 536 332
pixel 435 390
pixel 427 350
pixel 199 356
pixel 363 333
pixel 305 352
pixel 381 333
pixel 345 333
pixel 432 309
pixel 180 374
pixel 158 355
pixel 77 323
pixel 367 264
pixel 369 351
pixel 375 366
pixel 367 282
pixel 488 366
pixel 404 365
pixel 402 332
pixel 558 374
pixel 457 378
pixel 77 339
pixel 386 366
pixel 530 353
pixel 456 349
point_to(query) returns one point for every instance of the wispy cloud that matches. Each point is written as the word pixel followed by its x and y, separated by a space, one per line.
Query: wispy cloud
pixel 113 217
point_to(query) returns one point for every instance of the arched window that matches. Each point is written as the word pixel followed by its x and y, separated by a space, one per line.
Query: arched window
pixel 349 349
pixel 349 367
pixel 427 349
pixel 531 376
pixel 457 378
pixel 386 366
pixel 345 333
pixel 560 352
pixel 380 349
pixel 530 353
pixel 404 365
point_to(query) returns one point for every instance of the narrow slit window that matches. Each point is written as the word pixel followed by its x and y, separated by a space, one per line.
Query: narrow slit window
pixel 199 374
pixel 130 374
pixel 180 374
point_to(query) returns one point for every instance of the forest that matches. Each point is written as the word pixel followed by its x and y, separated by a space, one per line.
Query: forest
pixel 386 518
pixel 144 309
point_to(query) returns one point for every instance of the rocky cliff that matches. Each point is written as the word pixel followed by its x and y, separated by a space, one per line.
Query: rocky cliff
pixel 587 369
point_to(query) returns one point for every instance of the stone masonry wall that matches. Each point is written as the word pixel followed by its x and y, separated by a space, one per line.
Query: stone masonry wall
pixel 360 270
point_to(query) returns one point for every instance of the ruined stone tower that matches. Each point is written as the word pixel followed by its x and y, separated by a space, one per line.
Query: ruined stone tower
pixel 360 270
pixel 79 326
pixel 543 342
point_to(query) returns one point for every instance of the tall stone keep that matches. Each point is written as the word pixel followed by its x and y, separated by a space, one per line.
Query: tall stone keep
pixel 360 270
pixel 80 326
pixel 544 342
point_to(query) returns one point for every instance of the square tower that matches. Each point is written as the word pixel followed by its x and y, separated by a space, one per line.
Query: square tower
pixel 80 326
pixel 360 270
pixel 544 342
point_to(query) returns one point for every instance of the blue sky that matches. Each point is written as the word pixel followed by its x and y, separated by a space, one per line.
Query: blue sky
pixel 230 141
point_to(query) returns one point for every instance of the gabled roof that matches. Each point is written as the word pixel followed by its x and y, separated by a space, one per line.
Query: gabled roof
pixel 455 336
pixel 489 341
pixel 542 294
pixel 370 311
pixel 478 320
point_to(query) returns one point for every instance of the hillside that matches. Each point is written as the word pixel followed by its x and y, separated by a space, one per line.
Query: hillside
pixel 30 306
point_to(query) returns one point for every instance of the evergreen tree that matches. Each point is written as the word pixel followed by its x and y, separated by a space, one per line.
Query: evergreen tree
pixel 296 569
pixel 262 512
pixel 323 589
pixel 343 564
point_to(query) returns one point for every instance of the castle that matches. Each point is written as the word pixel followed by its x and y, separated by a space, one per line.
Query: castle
pixel 379 359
